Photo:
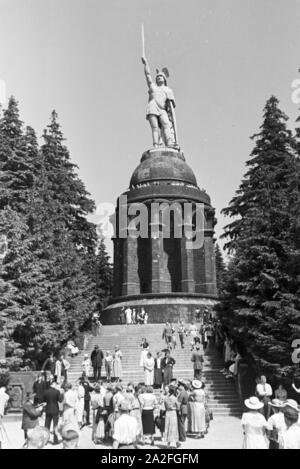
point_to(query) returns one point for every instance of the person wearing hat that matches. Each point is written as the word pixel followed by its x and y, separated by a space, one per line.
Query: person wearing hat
pixel 31 414
pixel 125 429
pixel 157 113
pixel 276 423
pixel 196 410
pixel 254 425
pixel 38 438
pixel 70 436
pixel 290 439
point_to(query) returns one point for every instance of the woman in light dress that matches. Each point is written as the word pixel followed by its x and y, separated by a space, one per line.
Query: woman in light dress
pixel 117 363
pixel 80 404
pixel 86 365
pixel 108 360
pixel 136 410
pixel 171 405
pixel 254 425
pixel 70 403
pixel 71 347
pixel 196 410
pixel 149 370
pixel 98 432
pixel 144 352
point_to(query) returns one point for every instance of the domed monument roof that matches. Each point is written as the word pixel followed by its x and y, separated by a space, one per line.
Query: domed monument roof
pixel 163 165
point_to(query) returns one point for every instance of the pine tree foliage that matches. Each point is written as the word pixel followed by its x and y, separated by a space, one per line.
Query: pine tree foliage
pixel 47 280
pixel 261 307
pixel 220 269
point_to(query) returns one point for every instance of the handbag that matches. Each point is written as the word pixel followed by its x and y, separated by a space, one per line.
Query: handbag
pixel 100 413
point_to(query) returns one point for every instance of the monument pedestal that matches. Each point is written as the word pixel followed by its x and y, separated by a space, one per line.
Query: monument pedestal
pixel 162 307
pixel 161 272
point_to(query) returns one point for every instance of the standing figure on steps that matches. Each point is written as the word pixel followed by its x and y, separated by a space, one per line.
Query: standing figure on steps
pixel 160 108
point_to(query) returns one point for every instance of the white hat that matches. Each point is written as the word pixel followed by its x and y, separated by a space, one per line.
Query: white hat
pixel 86 355
pixel 196 384
pixel 277 403
pixel 292 404
pixel 253 403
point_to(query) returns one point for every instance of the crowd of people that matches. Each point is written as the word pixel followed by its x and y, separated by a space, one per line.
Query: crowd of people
pixel 132 316
pixel 280 431
pixel 119 415
pixel 162 410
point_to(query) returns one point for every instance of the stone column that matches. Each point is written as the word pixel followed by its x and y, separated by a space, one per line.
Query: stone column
pixel 157 263
pixel 131 282
pixel 187 267
pixel 210 267
pixel 118 267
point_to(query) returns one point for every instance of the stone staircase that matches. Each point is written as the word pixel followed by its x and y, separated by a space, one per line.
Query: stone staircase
pixel 222 392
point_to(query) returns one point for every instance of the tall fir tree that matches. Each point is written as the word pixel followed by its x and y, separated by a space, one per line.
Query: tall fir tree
pixel 261 306
pixel 220 269
pixel 53 276
pixel 64 188
pixel 17 177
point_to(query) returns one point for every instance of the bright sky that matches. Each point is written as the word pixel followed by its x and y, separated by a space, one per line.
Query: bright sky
pixel 225 58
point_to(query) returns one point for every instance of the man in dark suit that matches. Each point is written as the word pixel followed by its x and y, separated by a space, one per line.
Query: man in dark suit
pixel 96 359
pixel 39 387
pixel 182 398
pixel 197 359
pixel 49 369
pixel 87 397
pixel 52 397
pixel 31 414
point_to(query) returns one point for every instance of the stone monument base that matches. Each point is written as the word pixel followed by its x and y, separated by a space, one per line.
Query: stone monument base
pixel 160 308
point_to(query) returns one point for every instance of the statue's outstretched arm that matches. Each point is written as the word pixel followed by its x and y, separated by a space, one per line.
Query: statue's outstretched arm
pixel 147 71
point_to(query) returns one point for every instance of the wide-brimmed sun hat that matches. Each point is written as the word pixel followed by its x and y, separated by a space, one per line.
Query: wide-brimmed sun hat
pixel 182 381
pixel 253 403
pixel 277 403
pixel 291 404
pixel 196 383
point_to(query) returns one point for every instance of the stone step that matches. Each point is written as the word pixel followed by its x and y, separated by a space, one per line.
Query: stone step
pixel 222 392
